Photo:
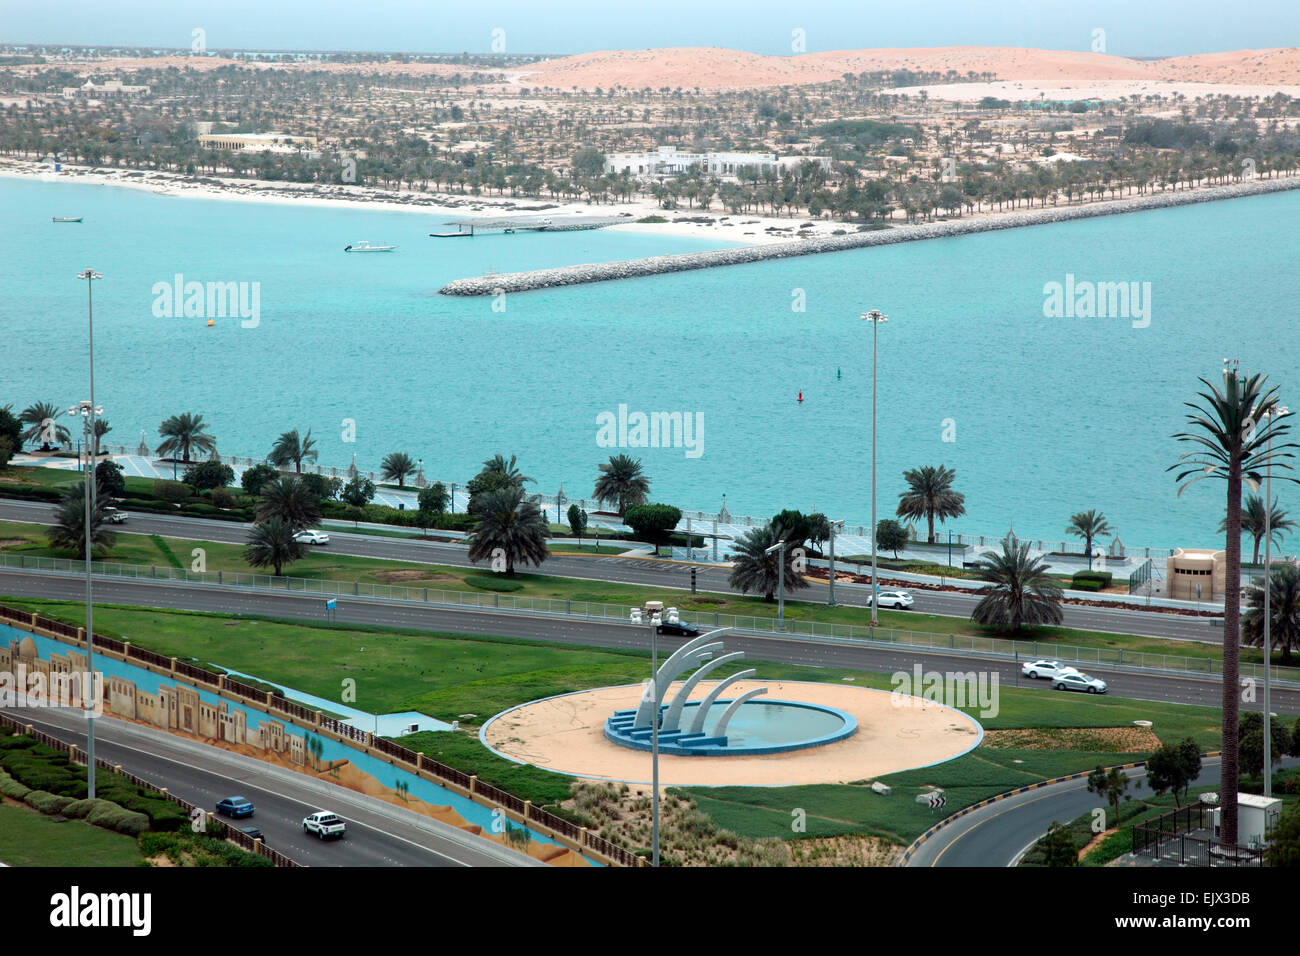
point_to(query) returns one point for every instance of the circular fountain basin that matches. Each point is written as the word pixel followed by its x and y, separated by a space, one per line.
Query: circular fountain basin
pixel 759 726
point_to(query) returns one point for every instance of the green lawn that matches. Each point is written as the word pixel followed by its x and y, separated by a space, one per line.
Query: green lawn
pixel 29 838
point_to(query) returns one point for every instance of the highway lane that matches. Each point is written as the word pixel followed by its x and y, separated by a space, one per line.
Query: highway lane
pixel 997 835
pixel 378 834
pixel 649 572
pixel 800 650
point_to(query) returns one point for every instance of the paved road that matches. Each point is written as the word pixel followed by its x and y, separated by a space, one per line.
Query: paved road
pixel 998 834
pixel 379 834
pixel 664 574
pixel 807 651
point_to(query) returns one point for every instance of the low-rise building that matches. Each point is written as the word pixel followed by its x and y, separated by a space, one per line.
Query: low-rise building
pixel 256 142
pixel 670 161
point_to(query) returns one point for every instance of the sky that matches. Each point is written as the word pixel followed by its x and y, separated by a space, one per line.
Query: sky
pixel 1131 27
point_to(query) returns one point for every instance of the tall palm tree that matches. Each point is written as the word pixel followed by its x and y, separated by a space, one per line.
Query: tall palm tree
pixel 1089 525
pixel 1254 522
pixel 102 428
pixel 37 416
pixel 622 481
pixel 1284 608
pixel 185 433
pixel 930 495
pixel 1020 593
pixel 396 467
pixel 290 448
pixel 1231 447
pixel 271 545
pixel 69 528
pixel 508 527
pixel 753 569
pixel 290 500
pixel 497 465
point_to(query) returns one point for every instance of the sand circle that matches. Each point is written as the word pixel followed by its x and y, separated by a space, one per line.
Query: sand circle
pixel 895 733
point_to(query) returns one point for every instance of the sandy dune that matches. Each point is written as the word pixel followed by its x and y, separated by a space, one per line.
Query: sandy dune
pixel 713 68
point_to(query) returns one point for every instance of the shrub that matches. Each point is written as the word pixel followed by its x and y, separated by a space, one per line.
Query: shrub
pixel 1085 585
pixel 112 817
pixel 222 498
pixel 49 803
pixel 1103 577
pixel 173 491
pixel 11 788
pixel 209 474
pixel 254 478
pixel 321 486
pixel 80 809
pixel 155 844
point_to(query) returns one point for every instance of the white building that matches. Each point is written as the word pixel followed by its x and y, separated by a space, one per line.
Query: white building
pixel 107 88
pixel 670 161
pixel 256 142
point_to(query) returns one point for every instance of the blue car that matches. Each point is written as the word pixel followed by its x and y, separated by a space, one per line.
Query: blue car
pixel 235 807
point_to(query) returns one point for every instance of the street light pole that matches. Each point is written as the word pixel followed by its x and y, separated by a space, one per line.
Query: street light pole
pixel 831 600
pixel 876 318
pixel 654 746
pixel 780 586
pixel 88 412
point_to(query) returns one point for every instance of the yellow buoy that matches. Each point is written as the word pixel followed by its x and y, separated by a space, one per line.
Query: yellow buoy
pixel 211 323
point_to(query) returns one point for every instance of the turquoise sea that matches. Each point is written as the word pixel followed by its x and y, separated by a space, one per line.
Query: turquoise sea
pixel 1049 416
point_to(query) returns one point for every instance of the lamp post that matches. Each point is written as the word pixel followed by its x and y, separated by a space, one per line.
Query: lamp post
pixel 453 497
pixel 876 318
pixel 559 502
pixel 654 745
pixel 88 411
pixel 780 587
pixel 831 600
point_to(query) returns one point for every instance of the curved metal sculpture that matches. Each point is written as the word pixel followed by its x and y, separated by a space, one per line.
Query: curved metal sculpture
pixel 697 726
pixel 685 656
pixel 721 729
pixel 674 715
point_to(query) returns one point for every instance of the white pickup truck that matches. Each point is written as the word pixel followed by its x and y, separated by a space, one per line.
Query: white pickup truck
pixel 324 824
pixel 114 515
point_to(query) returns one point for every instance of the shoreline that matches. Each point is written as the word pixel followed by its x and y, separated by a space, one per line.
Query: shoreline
pixel 682 262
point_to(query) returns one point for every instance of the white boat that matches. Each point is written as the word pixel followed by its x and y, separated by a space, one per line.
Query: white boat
pixel 365 246
pixel 67 218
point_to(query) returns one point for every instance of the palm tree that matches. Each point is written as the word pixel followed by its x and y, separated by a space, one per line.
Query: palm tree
pixel 621 481
pixel 1020 593
pixel 1231 447
pixel 271 544
pixel 1089 525
pixel 1284 608
pixel 289 447
pixel 37 416
pixel 1254 522
pixel 185 433
pixel 497 465
pixel 396 466
pixel 69 528
pixel 289 500
pixel 509 528
pixel 753 569
pixel 930 495
pixel 102 428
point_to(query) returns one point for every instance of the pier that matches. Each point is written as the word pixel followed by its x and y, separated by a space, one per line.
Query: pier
pixel 465 227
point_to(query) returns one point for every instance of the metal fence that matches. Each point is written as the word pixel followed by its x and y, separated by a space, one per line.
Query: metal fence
pixel 594 611
pixel 1173 838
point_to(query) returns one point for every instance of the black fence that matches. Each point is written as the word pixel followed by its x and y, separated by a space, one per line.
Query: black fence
pixel 1185 837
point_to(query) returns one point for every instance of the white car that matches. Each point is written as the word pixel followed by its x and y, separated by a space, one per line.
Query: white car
pixel 311 537
pixel 114 515
pixel 324 824
pixel 1078 681
pixel 899 600
pixel 1046 668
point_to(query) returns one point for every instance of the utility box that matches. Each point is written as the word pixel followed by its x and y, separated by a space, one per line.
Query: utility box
pixel 1256 817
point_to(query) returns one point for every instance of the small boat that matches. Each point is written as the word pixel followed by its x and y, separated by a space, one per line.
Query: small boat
pixel 364 246
pixel 67 218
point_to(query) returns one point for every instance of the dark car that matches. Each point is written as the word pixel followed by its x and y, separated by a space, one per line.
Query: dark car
pixel 679 629
pixel 253 832
pixel 235 807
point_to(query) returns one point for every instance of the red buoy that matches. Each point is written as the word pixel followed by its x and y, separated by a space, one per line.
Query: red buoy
pixel 800 395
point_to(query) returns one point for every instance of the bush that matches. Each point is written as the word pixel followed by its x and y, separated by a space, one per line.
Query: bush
pixel 1102 577
pixel 254 478
pixel 1085 585
pixel 322 487
pixel 493 584
pixel 156 844
pixel 109 482
pixel 112 817
pixel 222 498
pixel 9 787
pixel 49 803
pixel 172 491
pixel 209 474
pixel 80 809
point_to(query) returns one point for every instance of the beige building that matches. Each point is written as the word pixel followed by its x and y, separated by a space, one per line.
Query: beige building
pixel 108 88
pixel 256 142
pixel 1196 574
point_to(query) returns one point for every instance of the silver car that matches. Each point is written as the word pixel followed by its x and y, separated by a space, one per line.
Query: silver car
pixel 1078 681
